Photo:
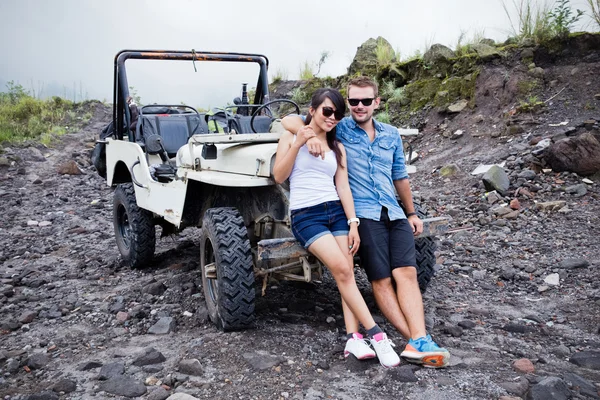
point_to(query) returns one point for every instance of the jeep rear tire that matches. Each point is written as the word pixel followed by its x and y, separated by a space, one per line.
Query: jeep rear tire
pixel 425 253
pixel 134 228
pixel 227 270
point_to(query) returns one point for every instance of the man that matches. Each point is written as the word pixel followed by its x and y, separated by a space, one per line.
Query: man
pixel 376 169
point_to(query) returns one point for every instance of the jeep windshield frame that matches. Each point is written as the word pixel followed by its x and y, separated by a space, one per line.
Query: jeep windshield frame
pixel 121 114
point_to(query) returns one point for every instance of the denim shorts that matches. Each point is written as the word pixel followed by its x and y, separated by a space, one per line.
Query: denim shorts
pixel 310 223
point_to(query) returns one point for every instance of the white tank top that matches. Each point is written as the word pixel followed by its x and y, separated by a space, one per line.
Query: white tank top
pixel 311 180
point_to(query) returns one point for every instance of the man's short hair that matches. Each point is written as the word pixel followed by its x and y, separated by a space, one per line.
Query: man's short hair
pixel 364 81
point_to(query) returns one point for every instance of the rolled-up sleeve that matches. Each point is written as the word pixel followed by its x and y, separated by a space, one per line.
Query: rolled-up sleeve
pixel 398 167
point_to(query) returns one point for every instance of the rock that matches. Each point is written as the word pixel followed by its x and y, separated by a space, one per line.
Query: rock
pixel 33 154
pixel 523 365
pixel 551 388
pixel 561 351
pixel 163 326
pixel 449 170
pixel 514 204
pixel 181 396
pixel 496 179
pixel 573 263
pixel 159 393
pixel 581 385
pixel 65 385
pixel 38 361
pixel 111 370
pixel 493 197
pixel 551 205
pixel 478 275
pixel 457 134
pixel 438 52
pixel 261 360
pixel 455 331
pixel 457 107
pixel 517 328
pixel 552 280
pixel 122 316
pixel 527 54
pixel 467 324
pixel 45 395
pixel 404 373
pixel 485 51
pixel 86 366
pixel 577 190
pixel 537 73
pixel 191 367
pixel 124 386
pixel 579 154
pixel 587 359
pixel 150 357
pixel 156 289
pixel 527 174
pixel 527 42
pixel 69 168
pixel 365 59
pixel 514 129
pixel 518 388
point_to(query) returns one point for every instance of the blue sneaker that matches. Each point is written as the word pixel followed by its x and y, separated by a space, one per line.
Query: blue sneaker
pixel 426 352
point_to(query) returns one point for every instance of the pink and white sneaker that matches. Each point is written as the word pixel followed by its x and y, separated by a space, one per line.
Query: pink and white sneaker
pixel 359 348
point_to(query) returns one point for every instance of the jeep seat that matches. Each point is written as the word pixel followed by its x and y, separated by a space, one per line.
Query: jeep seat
pixel 174 129
pixel 241 124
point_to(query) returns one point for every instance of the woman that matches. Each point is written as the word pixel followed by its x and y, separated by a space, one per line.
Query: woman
pixel 323 216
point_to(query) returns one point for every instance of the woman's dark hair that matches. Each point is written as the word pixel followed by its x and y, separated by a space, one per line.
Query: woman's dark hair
pixel 340 106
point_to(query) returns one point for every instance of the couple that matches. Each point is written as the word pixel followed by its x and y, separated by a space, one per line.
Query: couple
pixel 344 199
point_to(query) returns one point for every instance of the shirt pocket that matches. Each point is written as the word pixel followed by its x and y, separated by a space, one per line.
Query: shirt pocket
pixel 385 150
pixel 348 137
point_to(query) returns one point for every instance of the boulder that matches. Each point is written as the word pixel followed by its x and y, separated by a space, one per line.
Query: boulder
pixel 496 179
pixel 438 52
pixel 485 51
pixel 579 154
pixel 365 60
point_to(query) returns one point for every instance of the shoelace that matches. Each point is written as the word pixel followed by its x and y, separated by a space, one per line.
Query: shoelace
pixel 386 345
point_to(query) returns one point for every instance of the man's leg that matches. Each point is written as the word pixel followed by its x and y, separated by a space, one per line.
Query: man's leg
pixel 410 300
pixel 387 301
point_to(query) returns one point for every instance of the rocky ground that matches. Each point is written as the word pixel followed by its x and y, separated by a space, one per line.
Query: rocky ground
pixel 516 297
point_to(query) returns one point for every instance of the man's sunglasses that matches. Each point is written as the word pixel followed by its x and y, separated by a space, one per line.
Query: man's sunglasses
pixel 366 102
pixel 328 112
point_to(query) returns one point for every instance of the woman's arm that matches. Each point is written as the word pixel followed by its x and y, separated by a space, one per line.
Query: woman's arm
pixel 343 190
pixel 287 150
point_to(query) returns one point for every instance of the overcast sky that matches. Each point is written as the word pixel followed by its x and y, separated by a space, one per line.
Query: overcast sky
pixel 69 45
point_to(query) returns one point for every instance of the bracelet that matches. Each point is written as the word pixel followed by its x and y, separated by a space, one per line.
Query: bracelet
pixel 410 214
pixel 351 220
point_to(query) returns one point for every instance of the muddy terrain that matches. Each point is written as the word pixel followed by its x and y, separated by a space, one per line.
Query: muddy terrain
pixel 516 297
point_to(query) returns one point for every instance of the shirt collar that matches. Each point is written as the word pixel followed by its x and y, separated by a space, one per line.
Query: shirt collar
pixel 378 125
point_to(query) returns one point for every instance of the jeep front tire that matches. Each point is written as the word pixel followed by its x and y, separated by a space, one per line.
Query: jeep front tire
pixel 227 270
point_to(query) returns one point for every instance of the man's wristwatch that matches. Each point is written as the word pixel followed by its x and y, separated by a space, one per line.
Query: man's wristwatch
pixel 351 220
pixel 410 214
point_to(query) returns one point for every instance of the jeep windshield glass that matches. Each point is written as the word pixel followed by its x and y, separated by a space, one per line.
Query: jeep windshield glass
pixel 214 85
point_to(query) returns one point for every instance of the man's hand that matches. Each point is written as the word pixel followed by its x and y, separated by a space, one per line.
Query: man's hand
pixel 416 223
pixel 303 134
pixel 353 240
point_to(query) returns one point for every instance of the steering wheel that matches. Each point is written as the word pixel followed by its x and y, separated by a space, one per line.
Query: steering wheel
pixel 267 109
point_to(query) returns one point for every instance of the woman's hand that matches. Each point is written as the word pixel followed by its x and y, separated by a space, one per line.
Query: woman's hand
pixel 353 239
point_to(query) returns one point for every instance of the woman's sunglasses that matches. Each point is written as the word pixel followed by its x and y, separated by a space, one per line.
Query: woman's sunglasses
pixel 328 112
pixel 366 102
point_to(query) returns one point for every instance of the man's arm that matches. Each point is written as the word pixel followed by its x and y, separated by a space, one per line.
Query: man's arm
pixel 293 123
pixel 405 194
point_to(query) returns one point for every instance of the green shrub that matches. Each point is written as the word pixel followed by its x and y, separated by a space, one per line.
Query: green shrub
pixel 533 19
pixel 594 6
pixel 306 71
pixel 562 18
pixel 23 117
pixel 385 55
pixel 280 75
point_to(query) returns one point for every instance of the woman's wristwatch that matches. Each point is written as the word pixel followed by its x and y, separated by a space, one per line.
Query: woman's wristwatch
pixel 351 220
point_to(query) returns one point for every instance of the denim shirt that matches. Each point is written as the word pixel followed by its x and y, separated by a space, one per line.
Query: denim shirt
pixel 372 168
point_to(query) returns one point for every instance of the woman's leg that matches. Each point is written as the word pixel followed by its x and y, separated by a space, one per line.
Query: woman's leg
pixel 339 262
